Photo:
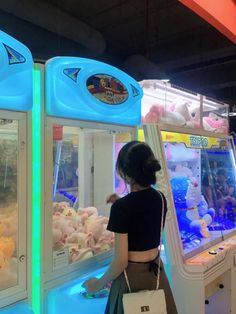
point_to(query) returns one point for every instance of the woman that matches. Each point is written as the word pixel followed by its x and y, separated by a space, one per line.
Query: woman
pixel 136 221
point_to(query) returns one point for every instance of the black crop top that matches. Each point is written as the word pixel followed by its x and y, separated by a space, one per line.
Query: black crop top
pixel 139 215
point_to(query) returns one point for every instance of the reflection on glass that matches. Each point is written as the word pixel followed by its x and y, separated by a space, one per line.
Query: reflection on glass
pixel 8 203
pixel 120 140
pixel 83 177
pixel 202 177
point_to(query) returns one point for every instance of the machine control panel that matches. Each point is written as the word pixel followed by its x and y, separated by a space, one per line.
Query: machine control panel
pixel 214 255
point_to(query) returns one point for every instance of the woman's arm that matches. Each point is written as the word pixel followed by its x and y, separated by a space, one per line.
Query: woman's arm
pixel 118 264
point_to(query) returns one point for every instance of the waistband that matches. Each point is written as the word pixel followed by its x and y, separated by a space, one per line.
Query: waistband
pixel 151 261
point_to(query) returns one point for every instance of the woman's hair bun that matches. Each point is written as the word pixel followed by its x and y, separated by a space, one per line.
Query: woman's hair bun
pixel 152 165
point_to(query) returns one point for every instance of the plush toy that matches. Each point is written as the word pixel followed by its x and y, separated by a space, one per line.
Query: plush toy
pixel 7 249
pixel 58 239
pixel 79 254
pixel 96 226
pixel 9 225
pixel 193 195
pixel 90 211
pixel 69 212
pixel 83 232
pixel 176 113
pixel 215 123
pixel 158 113
pixel 194 121
pixel 182 108
pixel 181 170
pixel 178 152
pixel 155 114
pixel 80 239
pixel 204 211
pixel 197 215
pixel 60 206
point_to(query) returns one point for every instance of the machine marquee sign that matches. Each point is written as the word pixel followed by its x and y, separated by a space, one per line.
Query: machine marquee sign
pixel 190 141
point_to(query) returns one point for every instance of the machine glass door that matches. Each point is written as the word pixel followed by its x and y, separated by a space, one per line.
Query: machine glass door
pixel 12 207
pixel 202 178
pixel 84 175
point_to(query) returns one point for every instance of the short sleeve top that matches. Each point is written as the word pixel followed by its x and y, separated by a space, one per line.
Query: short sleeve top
pixel 139 214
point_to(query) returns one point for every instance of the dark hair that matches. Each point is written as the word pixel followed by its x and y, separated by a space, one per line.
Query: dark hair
pixel 137 162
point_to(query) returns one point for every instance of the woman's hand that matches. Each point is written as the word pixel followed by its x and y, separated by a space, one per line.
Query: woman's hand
pixel 112 198
pixel 92 285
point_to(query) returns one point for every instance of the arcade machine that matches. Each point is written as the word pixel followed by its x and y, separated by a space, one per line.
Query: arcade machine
pixel 15 193
pixel 91 110
pixel 188 133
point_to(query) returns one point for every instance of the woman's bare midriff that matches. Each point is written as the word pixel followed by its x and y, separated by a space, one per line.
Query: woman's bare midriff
pixel 144 256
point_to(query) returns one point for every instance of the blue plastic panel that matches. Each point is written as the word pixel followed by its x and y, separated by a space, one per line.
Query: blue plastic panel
pixel 19 308
pixel 16 66
pixel 68 299
pixel 85 89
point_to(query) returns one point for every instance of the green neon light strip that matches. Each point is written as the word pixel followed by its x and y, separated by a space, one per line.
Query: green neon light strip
pixel 36 200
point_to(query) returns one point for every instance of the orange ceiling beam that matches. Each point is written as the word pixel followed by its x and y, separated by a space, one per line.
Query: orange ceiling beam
pixel 219 13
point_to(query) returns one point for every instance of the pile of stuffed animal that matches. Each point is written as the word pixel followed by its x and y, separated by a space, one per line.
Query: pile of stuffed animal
pixel 8 233
pixel 184 114
pixel 82 231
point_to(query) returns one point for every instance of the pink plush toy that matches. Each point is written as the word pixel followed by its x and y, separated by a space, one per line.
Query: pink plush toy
pixel 96 226
pixel 79 254
pixel 80 239
pixel 57 238
pixel 215 123
pixel 155 114
pixel 175 113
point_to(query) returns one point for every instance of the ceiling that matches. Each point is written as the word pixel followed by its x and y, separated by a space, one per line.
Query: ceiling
pixel 146 38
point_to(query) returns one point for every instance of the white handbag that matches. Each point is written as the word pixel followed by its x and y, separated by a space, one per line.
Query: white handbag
pixel 146 301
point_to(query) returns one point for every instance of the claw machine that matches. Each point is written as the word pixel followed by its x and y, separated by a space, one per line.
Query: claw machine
pixel 189 134
pixel 15 193
pixel 91 109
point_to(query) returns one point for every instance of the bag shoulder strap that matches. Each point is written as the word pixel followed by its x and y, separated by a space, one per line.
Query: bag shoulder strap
pixel 159 261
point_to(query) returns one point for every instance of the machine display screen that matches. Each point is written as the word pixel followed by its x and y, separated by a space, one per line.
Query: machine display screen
pixel 203 183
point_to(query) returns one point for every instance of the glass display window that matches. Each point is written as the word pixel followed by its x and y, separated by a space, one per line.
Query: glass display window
pixel 12 205
pixel 84 175
pixel 202 179
pixel 167 104
pixel 9 203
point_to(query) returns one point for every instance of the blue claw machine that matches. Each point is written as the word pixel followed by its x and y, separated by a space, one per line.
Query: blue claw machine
pixel 189 134
pixel 16 67
pixel 89 110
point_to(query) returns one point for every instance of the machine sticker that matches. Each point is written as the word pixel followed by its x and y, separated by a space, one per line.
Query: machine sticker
pixel 60 258
pixel 14 56
pixel 72 73
pixel 190 141
pixel 107 89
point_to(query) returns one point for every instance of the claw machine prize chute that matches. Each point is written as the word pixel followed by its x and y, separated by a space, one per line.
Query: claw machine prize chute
pixel 188 133
pixel 16 66
pixel 91 110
